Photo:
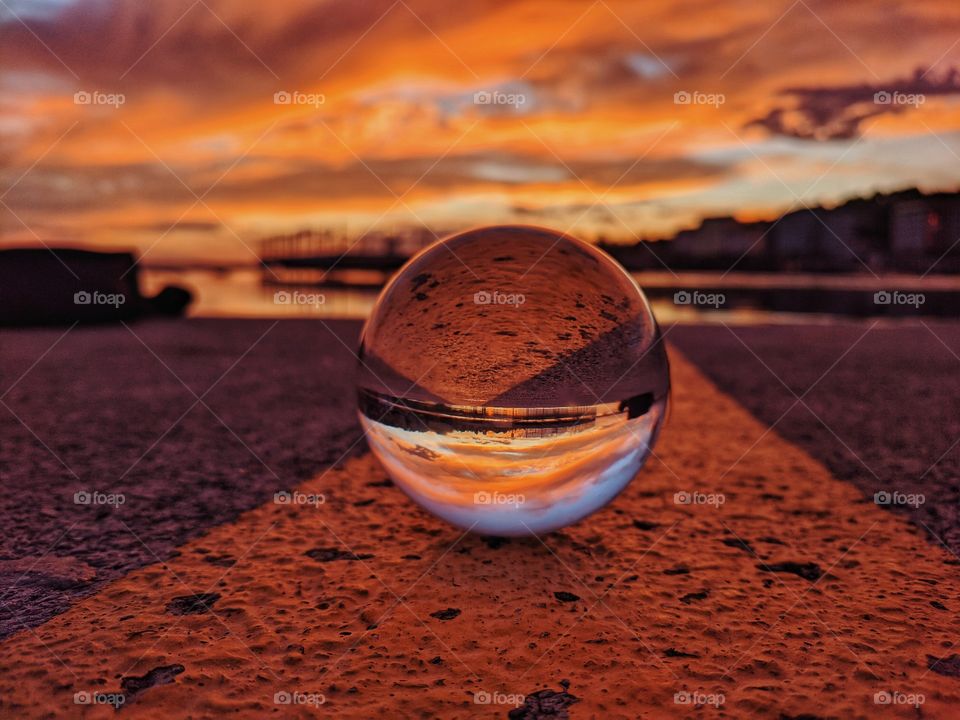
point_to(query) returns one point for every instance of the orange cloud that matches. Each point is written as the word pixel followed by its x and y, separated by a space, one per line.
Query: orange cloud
pixel 571 113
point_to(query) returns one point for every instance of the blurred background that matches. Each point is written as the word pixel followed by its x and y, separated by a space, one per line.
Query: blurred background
pixel 748 162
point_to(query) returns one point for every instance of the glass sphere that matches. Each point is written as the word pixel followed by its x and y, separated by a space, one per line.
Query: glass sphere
pixel 512 379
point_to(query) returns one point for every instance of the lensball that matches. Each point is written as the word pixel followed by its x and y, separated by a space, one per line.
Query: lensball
pixel 512 379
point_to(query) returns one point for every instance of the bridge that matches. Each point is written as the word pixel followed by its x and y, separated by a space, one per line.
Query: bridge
pixel 327 251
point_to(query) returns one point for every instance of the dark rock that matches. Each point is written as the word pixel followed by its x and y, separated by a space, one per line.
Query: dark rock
pixel 133 686
pixel 448 614
pixel 192 604
pixel 172 301
pixel 670 652
pixel 330 554
pixel 564 596
pixel 808 571
pixel 645 525
pixel 495 543
pixel 638 405
pixel 223 561
pixel 419 280
pixel 949 666
pixel 679 570
pixel 690 597
pixel 544 705
pixel 739 544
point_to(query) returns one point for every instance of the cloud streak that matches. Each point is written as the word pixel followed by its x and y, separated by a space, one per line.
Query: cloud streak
pixel 593 113
pixel 832 113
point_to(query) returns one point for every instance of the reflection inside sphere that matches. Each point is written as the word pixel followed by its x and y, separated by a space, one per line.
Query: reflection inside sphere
pixel 512 379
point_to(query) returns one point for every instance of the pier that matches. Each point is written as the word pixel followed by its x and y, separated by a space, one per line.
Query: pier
pixel 327 251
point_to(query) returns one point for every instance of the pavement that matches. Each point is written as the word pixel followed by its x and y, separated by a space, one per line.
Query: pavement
pixel 781 589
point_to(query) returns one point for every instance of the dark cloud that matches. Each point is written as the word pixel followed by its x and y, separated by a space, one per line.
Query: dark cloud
pixel 192 226
pixel 838 113
pixel 97 187
pixel 217 49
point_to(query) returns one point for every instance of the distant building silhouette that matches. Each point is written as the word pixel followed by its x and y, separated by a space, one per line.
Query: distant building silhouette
pixel 62 286
pixel 906 231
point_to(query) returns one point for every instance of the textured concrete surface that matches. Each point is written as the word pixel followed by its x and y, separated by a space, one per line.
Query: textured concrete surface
pixel 783 594
pixel 880 404
pixel 798 596
pixel 115 411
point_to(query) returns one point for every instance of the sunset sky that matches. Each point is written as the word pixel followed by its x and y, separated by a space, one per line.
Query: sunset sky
pixel 585 133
